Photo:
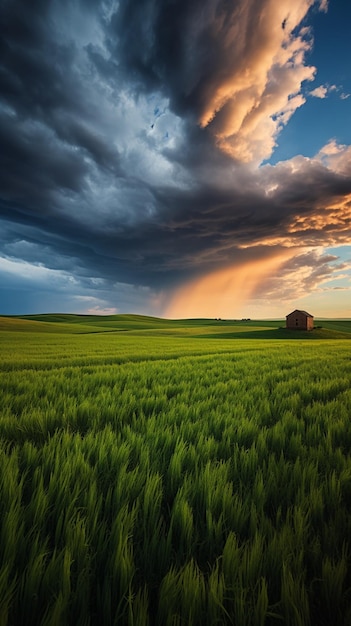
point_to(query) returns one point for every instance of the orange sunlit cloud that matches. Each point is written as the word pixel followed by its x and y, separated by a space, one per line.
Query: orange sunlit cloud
pixel 328 225
pixel 259 90
pixel 224 292
pixel 335 218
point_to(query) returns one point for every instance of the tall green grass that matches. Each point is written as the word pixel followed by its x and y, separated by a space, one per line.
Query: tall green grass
pixel 174 480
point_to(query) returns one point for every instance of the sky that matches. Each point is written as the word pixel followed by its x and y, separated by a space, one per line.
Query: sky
pixel 178 158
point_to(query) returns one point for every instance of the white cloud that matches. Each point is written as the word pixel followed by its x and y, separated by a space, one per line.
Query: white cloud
pixel 33 272
pixel 319 92
pixel 337 157
pixel 323 5
pixel 332 147
pixel 323 91
pixel 98 310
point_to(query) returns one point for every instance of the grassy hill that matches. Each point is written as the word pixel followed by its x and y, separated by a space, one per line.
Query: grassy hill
pixel 205 328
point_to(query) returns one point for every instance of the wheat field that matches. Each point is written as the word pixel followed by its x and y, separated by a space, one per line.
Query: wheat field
pixel 193 472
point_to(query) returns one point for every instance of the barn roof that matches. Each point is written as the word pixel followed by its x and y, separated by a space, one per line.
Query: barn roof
pixel 299 311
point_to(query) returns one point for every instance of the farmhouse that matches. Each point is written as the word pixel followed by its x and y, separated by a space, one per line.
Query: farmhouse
pixel 299 320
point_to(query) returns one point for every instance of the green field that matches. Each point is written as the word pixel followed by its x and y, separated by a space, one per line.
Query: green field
pixel 174 472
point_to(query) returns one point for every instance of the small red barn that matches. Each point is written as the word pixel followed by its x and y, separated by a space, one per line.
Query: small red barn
pixel 299 320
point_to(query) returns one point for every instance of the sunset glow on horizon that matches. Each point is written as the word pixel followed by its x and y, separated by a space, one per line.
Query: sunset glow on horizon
pixel 224 292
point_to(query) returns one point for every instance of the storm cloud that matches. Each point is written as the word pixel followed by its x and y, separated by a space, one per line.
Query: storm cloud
pixel 133 139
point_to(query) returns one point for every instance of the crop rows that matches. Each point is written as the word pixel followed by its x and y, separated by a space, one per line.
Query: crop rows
pixel 171 481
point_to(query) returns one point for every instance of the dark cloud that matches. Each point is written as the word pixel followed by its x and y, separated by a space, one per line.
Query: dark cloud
pixel 33 164
pixel 36 68
pixel 185 48
pixel 106 172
